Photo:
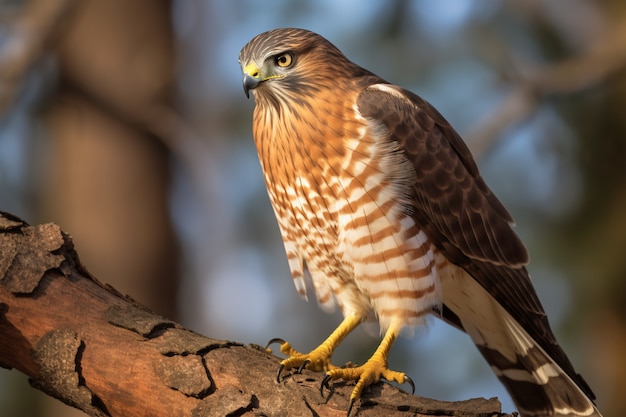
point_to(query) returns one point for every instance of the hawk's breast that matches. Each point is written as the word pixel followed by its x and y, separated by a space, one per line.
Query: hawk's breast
pixel 341 191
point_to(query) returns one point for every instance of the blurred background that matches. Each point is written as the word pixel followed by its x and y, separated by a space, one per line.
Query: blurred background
pixel 125 123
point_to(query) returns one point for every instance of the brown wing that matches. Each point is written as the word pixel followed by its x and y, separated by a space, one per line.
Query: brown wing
pixel 458 212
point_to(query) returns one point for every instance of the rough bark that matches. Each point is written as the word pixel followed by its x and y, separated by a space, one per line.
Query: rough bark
pixel 91 347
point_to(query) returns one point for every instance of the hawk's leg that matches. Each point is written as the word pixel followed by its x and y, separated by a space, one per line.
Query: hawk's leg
pixel 319 358
pixel 373 370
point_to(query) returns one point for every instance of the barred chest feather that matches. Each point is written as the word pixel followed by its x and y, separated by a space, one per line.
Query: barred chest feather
pixel 343 208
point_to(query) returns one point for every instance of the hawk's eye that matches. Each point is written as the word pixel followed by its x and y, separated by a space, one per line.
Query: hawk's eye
pixel 284 60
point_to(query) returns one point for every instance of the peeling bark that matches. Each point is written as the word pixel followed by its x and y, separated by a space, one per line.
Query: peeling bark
pixel 84 343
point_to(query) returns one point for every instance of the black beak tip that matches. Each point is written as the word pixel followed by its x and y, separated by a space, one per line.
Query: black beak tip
pixel 249 83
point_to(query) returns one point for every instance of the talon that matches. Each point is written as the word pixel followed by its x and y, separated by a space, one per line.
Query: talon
pixel 408 380
pixel 274 340
pixel 352 401
pixel 304 364
pixel 280 371
pixel 325 384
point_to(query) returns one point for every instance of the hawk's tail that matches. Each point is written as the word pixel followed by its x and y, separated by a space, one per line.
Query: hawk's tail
pixel 539 386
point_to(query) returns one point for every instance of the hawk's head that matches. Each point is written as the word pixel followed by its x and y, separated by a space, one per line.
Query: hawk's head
pixel 283 63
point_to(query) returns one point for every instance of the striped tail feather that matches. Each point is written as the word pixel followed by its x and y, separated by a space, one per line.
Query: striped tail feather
pixel 539 386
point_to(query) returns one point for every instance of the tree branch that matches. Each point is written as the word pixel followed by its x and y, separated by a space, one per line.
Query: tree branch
pixel 84 343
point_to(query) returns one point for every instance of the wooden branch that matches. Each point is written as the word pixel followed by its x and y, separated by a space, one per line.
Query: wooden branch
pixel 89 346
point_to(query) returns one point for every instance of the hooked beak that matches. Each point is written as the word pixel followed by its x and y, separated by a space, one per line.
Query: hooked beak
pixel 251 78
pixel 250 83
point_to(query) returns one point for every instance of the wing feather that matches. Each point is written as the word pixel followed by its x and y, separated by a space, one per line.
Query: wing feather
pixel 458 211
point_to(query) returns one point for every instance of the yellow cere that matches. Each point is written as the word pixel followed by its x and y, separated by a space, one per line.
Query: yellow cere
pixel 252 70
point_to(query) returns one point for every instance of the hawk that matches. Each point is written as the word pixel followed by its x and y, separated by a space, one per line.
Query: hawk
pixel 384 214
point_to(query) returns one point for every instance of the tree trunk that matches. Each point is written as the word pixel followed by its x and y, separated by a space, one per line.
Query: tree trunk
pixel 91 347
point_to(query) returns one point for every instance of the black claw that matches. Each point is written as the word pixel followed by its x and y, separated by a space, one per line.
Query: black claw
pixel 275 340
pixel 304 364
pixel 280 371
pixel 409 381
pixel 352 401
pixel 326 385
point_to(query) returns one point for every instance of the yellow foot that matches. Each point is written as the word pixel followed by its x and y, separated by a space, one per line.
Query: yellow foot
pixel 371 371
pixel 367 374
pixel 318 359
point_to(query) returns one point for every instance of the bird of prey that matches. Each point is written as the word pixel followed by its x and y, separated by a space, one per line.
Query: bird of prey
pixel 383 213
